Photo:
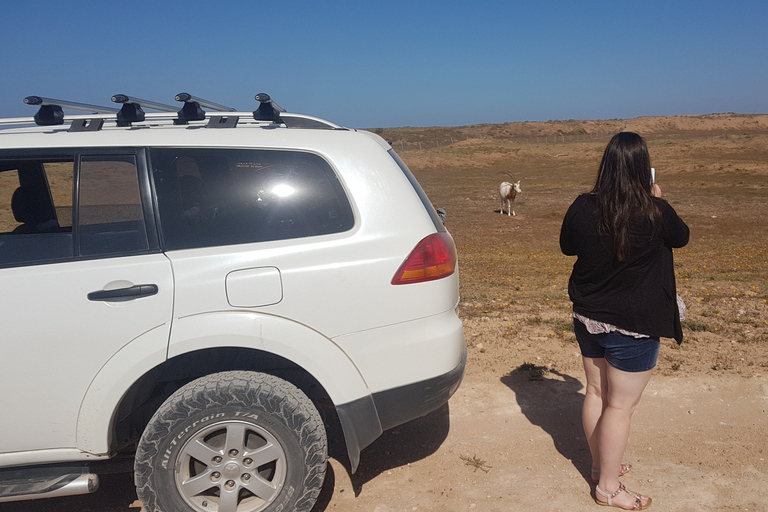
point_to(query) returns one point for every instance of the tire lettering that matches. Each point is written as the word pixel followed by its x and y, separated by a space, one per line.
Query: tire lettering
pixel 247 415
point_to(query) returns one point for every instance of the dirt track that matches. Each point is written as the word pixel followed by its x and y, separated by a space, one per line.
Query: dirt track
pixel 698 443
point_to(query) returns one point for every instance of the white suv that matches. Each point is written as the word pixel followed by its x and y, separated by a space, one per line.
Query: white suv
pixel 212 290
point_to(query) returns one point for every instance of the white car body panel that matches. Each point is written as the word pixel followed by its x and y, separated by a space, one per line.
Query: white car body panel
pixel 433 344
pixel 110 384
pixel 280 336
pixel 52 456
pixel 55 356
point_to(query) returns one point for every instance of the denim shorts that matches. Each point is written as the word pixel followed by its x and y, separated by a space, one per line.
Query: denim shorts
pixel 621 351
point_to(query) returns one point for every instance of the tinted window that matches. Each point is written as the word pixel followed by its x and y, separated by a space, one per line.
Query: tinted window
pixel 110 215
pixel 35 210
pixel 210 197
pixel 38 201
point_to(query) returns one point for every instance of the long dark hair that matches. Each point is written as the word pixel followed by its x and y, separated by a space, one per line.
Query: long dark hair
pixel 623 189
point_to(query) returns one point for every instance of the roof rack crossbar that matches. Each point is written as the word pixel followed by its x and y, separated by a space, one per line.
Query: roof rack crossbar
pixel 122 98
pixel 186 97
pixel 51 111
pixel 193 108
pixel 268 110
pixel 132 111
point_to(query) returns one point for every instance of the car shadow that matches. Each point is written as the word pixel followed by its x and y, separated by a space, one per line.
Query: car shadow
pixel 396 447
pixel 116 493
pixel 553 402
pixel 326 492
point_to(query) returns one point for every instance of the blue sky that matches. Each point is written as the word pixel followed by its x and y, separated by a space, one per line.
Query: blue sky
pixel 395 63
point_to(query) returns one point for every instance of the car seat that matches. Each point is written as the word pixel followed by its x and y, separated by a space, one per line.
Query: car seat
pixel 32 207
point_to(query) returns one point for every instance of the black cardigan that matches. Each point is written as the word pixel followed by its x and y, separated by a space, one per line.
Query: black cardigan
pixel 638 294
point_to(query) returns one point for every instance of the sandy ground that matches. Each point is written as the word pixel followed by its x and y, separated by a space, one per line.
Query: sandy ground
pixel 506 442
pixel 516 444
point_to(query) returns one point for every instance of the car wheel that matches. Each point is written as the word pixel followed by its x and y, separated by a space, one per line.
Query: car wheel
pixel 232 442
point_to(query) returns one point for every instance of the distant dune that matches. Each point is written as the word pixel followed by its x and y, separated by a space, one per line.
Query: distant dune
pixel 655 124
pixel 586 128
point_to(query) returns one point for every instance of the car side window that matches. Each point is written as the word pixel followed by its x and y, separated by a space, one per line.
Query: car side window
pixel 45 219
pixel 110 216
pixel 35 210
pixel 60 181
pixel 210 197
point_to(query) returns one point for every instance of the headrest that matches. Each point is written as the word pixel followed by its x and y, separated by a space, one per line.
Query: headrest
pixel 31 205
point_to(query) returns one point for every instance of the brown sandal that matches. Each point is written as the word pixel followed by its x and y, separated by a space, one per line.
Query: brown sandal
pixel 623 471
pixel 638 505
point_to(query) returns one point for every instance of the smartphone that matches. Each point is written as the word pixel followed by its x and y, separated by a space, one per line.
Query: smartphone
pixel 653 175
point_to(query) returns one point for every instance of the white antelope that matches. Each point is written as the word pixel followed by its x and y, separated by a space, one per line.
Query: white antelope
pixel 507 193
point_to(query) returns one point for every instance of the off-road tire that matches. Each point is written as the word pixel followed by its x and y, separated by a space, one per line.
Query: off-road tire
pixel 208 414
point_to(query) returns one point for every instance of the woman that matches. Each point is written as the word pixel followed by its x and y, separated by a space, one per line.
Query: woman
pixel 624 299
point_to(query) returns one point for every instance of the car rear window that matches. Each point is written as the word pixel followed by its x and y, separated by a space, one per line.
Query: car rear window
pixel 210 197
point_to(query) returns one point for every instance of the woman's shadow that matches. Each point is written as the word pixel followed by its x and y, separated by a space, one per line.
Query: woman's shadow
pixel 552 401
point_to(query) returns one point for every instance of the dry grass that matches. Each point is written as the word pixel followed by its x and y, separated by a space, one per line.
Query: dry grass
pixel 512 268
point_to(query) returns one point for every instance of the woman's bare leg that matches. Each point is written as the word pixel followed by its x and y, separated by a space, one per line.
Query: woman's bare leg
pixel 594 403
pixel 623 392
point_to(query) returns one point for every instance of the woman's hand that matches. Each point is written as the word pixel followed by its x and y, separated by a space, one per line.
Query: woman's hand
pixel 656 190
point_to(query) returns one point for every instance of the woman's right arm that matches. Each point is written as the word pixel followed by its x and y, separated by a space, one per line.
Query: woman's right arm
pixel 677 230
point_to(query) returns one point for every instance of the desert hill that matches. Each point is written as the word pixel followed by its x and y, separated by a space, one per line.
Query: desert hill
pixel 565 130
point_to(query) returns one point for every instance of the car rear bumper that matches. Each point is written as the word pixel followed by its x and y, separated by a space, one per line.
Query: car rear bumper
pixel 364 420
pixel 405 403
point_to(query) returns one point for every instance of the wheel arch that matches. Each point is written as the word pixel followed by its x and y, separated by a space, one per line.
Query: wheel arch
pixel 146 395
pixel 137 380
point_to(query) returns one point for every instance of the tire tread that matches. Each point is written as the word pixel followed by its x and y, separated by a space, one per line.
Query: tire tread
pixel 243 389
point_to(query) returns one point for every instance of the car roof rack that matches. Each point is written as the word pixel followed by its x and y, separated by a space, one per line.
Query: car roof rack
pixel 51 113
pixel 268 110
pixel 193 108
pixel 132 111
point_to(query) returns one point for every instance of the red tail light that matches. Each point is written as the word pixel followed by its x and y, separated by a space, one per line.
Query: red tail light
pixel 433 258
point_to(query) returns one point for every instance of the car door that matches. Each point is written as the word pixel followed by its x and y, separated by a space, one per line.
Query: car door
pixel 81 277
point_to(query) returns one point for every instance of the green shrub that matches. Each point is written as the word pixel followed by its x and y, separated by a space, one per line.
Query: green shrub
pixel 694 325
